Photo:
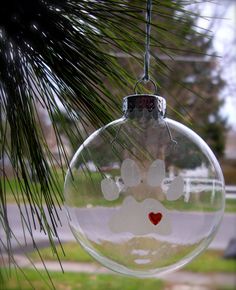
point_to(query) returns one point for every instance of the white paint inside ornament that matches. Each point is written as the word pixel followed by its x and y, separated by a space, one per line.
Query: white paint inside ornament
pixel 109 189
pixel 156 173
pixel 142 261
pixel 149 215
pixel 134 217
pixel 176 189
pixel 130 173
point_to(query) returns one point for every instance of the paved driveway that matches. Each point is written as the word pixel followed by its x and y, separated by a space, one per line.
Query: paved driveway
pixel 226 231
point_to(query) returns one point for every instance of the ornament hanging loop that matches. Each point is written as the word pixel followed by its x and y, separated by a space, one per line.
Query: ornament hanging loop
pixel 142 81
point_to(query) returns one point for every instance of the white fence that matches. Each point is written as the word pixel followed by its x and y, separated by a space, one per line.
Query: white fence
pixel 202 184
pixel 230 191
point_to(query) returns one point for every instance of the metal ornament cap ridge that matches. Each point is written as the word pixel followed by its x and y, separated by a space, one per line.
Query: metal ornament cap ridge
pixel 144 102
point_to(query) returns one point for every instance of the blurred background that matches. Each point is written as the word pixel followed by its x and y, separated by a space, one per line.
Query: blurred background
pixel 210 111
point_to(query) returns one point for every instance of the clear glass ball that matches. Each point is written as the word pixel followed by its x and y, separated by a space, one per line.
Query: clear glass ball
pixel 144 195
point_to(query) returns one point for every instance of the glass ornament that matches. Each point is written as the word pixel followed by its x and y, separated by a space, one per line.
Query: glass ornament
pixel 144 194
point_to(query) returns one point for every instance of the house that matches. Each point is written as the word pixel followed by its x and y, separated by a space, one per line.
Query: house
pixel 230 146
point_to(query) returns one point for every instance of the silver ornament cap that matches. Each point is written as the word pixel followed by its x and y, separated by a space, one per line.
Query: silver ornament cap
pixel 144 105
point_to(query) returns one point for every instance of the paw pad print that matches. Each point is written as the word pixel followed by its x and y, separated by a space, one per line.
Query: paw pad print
pixel 149 215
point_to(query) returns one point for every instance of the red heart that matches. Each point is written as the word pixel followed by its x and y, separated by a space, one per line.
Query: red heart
pixel 155 218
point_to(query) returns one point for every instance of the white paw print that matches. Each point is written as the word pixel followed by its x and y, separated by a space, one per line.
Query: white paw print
pixel 149 215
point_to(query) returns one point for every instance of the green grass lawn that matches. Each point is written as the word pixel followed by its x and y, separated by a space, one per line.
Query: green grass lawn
pixel 73 253
pixel 208 262
pixel 80 281
pixel 13 188
pixel 225 288
pixel 212 261
pixel 230 205
pixel 32 279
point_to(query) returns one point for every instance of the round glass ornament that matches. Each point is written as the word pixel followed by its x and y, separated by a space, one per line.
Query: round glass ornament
pixel 144 194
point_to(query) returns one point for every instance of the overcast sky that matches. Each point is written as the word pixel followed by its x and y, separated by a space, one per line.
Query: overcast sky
pixel 224 31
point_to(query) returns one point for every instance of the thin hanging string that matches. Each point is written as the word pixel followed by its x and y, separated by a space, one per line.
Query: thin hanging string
pixel 146 77
pixel 147 43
